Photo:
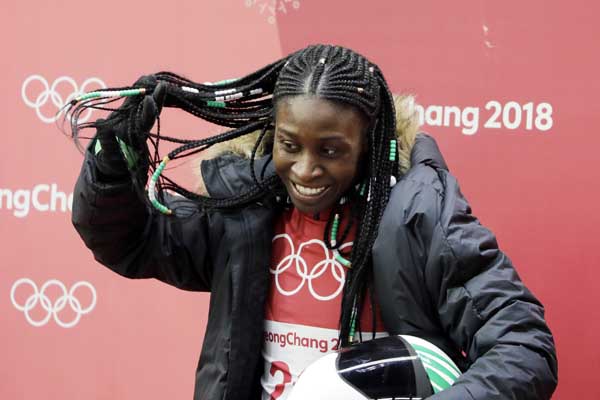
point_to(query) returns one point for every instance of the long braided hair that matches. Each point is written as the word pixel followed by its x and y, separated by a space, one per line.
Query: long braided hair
pixel 246 105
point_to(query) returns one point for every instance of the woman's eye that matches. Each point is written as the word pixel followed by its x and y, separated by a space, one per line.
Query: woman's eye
pixel 288 146
pixel 330 152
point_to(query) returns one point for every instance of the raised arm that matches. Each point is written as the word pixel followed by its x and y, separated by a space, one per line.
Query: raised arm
pixel 123 232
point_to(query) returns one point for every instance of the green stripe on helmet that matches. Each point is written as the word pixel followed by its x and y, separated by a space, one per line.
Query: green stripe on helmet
pixel 441 361
pixel 441 370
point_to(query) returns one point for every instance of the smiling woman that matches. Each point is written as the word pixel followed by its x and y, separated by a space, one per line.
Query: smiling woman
pixel 336 226
pixel 318 148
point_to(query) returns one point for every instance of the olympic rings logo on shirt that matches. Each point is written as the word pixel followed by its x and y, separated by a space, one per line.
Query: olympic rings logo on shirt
pixel 52 93
pixel 302 269
pixel 52 308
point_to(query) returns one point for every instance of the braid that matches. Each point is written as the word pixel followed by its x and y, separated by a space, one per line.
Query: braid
pixel 247 104
pixel 243 104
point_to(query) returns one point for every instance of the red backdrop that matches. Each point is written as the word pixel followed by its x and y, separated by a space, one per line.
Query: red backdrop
pixel 507 88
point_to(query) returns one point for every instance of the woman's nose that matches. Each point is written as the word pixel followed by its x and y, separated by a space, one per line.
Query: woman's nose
pixel 306 168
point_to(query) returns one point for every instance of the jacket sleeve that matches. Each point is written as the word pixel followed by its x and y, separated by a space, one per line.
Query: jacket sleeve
pixel 137 242
pixel 486 310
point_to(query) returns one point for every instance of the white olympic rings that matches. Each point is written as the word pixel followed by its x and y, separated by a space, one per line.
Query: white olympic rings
pixel 302 269
pixel 51 93
pixel 52 309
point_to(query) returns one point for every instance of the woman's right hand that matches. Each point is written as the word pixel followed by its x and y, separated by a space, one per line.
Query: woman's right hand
pixel 119 151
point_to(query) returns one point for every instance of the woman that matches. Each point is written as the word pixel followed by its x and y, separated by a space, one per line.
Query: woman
pixel 386 216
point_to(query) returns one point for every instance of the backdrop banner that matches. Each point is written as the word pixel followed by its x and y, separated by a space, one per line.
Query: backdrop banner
pixel 508 89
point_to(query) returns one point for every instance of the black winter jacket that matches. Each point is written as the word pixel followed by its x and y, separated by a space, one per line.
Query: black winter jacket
pixel 438 274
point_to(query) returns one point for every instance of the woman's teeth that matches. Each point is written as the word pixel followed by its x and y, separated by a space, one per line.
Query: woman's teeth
pixel 306 191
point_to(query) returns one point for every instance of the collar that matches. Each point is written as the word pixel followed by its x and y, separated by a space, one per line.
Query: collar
pixel 426 151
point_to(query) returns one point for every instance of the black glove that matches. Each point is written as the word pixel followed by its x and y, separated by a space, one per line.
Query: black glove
pixel 119 151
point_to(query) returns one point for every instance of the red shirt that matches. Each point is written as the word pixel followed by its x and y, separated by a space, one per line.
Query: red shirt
pixel 303 306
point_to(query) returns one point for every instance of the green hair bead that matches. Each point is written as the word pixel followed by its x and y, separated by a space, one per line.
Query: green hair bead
pixel 346 263
pixel 334 231
pixel 223 82
pixel 363 188
pixel 393 150
pixel 352 331
pixel 110 93
pixel 152 187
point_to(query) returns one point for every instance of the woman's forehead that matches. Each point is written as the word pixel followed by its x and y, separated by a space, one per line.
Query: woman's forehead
pixel 296 112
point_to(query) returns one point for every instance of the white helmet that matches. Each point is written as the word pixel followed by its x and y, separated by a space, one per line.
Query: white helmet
pixel 401 367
